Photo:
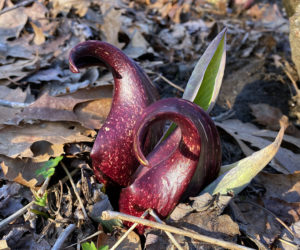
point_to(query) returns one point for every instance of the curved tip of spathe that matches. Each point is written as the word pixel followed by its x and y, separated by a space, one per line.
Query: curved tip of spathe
pixel 72 65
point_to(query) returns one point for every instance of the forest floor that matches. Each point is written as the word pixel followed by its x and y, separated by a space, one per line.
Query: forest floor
pixel 62 112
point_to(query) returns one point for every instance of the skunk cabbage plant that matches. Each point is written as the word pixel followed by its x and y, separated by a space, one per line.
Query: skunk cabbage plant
pixel 166 173
pixel 112 154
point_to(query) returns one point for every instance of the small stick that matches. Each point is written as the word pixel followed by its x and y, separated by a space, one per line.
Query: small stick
pixel 15 215
pixel 171 83
pixel 63 236
pixel 166 80
pixel 108 215
pixel 23 210
pixel 288 243
pixel 293 81
pixel 44 187
pixel 128 232
pixel 63 180
pixel 22 4
pixel 8 104
pixel 85 239
pixel 75 190
pixel 171 237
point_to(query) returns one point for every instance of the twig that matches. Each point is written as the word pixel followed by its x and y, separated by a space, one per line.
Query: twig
pixel 63 236
pixel 293 81
pixel 75 190
pixel 166 80
pixel 23 210
pixel 128 232
pixel 108 215
pixel 15 105
pixel 44 187
pixel 171 237
pixel 63 180
pixel 85 239
pixel 224 116
pixel 288 243
pixel 22 4
pixel 15 215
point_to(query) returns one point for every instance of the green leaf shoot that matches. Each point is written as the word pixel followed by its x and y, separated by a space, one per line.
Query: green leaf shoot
pixel 48 169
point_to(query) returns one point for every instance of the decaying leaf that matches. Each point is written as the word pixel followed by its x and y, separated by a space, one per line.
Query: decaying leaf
pixel 11 197
pixel 112 24
pixel 13 95
pixel 290 242
pixel 39 37
pixel 21 139
pixel 17 69
pixel 132 241
pixel 88 107
pixel 259 224
pixel 285 160
pixel 21 171
pixel 138 46
pixel 65 6
pixel 11 23
pixel 282 195
pixel 239 174
pixel 269 116
pixel 207 223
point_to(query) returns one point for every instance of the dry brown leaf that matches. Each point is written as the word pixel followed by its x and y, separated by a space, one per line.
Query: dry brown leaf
pixel 92 114
pixel 39 37
pixel 287 162
pixel 112 23
pixel 22 171
pixel 138 45
pixel 12 23
pixel 260 224
pixel 65 6
pixel 16 69
pixel 269 116
pixel 282 195
pixel 88 107
pixel 10 198
pixel 2 2
pixel 132 241
pixel 37 13
pixel 288 238
pixel 207 223
pixel 13 95
pixel 18 141
pixel 3 245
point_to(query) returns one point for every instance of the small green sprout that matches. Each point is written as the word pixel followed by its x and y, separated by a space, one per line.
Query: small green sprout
pixel 41 201
pixel 91 246
pixel 48 168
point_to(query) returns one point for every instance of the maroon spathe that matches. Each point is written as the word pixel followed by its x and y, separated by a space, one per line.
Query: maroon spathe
pixel 112 154
pixel 192 152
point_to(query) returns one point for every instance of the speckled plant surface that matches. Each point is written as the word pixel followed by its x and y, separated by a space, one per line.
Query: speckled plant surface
pixel 112 154
pixel 170 167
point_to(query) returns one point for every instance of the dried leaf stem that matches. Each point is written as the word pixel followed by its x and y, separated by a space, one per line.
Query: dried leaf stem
pixel 63 236
pixel 15 215
pixel 85 239
pixel 108 215
pixel 166 80
pixel 75 190
pixel 171 237
pixel 128 232
pixel 22 4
